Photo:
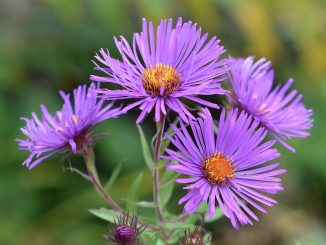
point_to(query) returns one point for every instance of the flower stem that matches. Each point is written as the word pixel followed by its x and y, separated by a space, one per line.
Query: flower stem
pixel 89 158
pixel 157 149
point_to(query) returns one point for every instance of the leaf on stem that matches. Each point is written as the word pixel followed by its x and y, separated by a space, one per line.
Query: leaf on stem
pixel 161 164
pixel 113 177
pixel 141 204
pixel 146 204
pixel 132 196
pixel 105 214
pixel 165 140
pixel 165 194
pixel 166 187
pixel 168 177
pixel 146 149
pixel 77 171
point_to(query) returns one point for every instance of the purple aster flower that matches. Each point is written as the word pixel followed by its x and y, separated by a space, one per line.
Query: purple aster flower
pixel 161 67
pixel 68 130
pixel 125 230
pixel 228 169
pixel 281 112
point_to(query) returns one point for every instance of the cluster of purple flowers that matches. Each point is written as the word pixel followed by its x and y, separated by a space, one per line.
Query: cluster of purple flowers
pixel 228 167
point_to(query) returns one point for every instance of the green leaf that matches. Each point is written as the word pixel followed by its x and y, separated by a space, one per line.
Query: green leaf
pixel 113 177
pixel 105 214
pixel 161 164
pixel 146 149
pixel 142 204
pixel 166 187
pixel 132 196
pixel 168 177
pixel 145 204
pixel 165 193
pixel 165 141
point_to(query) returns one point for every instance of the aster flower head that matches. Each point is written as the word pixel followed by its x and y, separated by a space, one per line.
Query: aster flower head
pixel 228 169
pixel 163 66
pixel 279 111
pixel 125 230
pixel 69 130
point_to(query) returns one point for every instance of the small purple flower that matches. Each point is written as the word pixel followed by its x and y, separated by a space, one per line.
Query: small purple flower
pixel 279 111
pixel 125 230
pixel 161 67
pixel 228 168
pixel 68 130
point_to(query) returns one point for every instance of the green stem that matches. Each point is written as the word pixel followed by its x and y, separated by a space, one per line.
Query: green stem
pixel 89 158
pixel 157 150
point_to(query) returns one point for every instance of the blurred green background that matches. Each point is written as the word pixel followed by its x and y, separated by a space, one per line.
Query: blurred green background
pixel 48 45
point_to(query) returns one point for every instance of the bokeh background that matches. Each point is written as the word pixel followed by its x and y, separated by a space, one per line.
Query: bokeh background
pixel 48 45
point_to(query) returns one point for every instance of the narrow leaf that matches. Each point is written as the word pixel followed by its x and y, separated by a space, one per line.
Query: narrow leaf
pixel 161 164
pixel 165 193
pixel 146 149
pixel 145 204
pixel 165 140
pixel 166 187
pixel 105 214
pixel 132 196
pixel 168 176
pixel 77 171
pixel 113 177
pixel 142 204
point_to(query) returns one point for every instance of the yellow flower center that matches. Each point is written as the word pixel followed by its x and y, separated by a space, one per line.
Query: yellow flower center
pixel 75 118
pixel 161 77
pixel 218 169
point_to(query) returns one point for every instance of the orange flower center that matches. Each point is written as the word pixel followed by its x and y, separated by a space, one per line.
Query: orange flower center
pixel 218 169
pixel 154 78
